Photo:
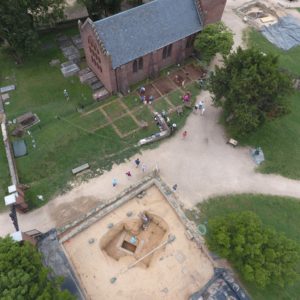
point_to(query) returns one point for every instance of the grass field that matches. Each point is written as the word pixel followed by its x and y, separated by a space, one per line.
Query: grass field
pixel 279 138
pixel 280 213
pixel 70 132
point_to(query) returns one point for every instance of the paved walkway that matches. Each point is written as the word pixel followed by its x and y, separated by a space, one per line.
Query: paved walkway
pixel 202 165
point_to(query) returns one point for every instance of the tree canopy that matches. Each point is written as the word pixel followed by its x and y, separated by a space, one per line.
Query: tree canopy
pixel 21 18
pixel 99 8
pixel 215 38
pixel 250 87
pixel 260 254
pixel 23 275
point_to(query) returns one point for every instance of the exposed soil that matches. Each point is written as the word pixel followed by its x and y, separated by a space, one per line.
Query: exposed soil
pixel 180 78
pixel 193 72
pixel 117 242
pixel 165 85
pixel 151 91
pixel 176 271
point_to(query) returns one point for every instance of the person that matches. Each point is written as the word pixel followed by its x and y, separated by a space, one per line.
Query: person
pixel 114 182
pixel 202 109
pixel 195 108
pixel 144 168
pixel 184 134
pixel 128 174
pixel 137 162
pixel 66 94
pixel 142 90
pixel 151 98
pixel 175 187
pixel 173 127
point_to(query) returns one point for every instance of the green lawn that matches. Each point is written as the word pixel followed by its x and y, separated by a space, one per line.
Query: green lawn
pixel 89 121
pixel 279 138
pixel 176 97
pixel 144 114
pixel 114 110
pixel 126 124
pixel 132 101
pixel 280 213
pixel 65 138
pixel 160 105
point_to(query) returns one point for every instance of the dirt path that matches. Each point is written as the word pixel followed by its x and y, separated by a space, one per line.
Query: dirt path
pixel 202 165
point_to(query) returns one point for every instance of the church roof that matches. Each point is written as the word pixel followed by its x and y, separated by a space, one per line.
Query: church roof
pixel 148 27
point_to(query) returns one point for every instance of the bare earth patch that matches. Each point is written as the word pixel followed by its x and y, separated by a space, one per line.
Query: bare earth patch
pixel 173 271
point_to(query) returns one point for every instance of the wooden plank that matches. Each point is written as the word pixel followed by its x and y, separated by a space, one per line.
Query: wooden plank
pixel 80 168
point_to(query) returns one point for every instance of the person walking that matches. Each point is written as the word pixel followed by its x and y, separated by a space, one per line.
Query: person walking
pixel 137 162
pixel 144 168
pixel 184 134
pixel 203 109
pixel 175 187
pixel 114 182
pixel 128 174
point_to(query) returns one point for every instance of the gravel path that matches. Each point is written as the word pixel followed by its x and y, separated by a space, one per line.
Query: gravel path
pixel 202 165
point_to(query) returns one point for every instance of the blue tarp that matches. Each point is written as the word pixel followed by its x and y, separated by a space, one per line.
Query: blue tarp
pixel 285 34
pixel 19 148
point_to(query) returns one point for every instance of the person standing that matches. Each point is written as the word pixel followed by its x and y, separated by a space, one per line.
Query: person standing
pixel 137 162
pixel 184 134
pixel 144 168
pixel 203 109
pixel 114 182
pixel 128 174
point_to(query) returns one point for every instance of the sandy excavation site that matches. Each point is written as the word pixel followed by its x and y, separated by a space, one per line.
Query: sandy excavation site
pixel 138 251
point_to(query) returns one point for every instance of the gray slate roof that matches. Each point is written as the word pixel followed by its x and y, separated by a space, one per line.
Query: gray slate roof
pixel 143 29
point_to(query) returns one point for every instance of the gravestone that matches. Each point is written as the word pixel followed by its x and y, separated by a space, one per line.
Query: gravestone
pixel 8 88
pixel 54 62
pixel 5 97
pixel 69 69
pixel 100 94
pixel 76 39
pixel 96 85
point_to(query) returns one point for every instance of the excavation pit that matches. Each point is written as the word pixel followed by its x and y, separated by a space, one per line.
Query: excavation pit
pixel 130 238
pixel 138 252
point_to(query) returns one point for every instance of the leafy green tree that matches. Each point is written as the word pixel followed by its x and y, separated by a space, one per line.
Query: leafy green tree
pixel 215 38
pixel 99 8
pixel 23 275
pixel 250 87
pixel 260 254
pixel 20 20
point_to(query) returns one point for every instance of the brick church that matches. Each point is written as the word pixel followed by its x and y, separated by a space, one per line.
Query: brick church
pixel 135 44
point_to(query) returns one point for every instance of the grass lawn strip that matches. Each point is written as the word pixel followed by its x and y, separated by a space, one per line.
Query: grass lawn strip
pixel 279 138
pixel 126 124
pixel 90 121
pixel 176 97
pixel 132 101
pixel 114 109
pixel 280 213
pixel 161 104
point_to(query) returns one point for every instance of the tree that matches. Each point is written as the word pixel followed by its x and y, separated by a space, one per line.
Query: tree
pixel 260 254
pixel 215 38
pixel 20 20
pixel 23 275
pixel 99 8
pixel 250 87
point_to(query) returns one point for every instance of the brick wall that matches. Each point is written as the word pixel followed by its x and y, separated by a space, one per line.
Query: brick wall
pixel 152 64
pixel 212 10
pixel 97 60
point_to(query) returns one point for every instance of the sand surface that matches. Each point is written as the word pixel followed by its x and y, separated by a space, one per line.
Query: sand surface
pixel 175 271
